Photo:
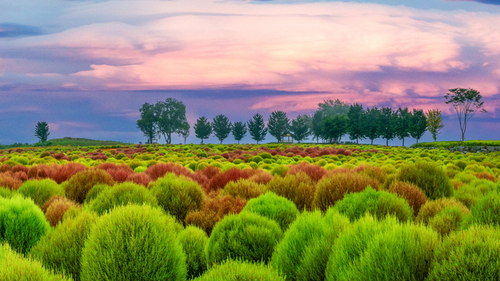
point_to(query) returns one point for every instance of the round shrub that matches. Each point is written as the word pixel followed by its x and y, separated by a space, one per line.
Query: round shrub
pixel 79 184
pixel 472 192
pixel 95 191
pixel 6 193
pixel 428 176
pixel 246 236
pixel 61 249
pixel 40 190
pixel 298 188
pixel 14 267
pixel 383 250
pixel 332 188
pixel 275 207
pixel 244 188
pixel 22 223
pixel 449 219
pixel 487 210
pixel 472 254
pixel 412 194
pixel 194 242
pixel 432 208
pixel 178 195
pixel 143 246
pixel 232 270
pixel 121 194
pixel 303 253
pixel 378 203
pixel 56 210
pixel 279 170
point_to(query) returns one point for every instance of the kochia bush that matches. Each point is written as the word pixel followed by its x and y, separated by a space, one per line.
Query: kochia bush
pixel 429 177
pixel 275 207
pixel 194 241
pixel 298 188
pixel 40 190
pixel 235 270
pixel 79 185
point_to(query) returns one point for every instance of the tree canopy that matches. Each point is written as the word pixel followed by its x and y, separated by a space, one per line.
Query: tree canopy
pixel 466 103
pixel 148 122
pixel 202 128
pixel 418 124
pixel 278 124
pixel 299 128
pixel 434 122
pixel 221 127
pixel 257 128
pixel 239 131
pixel 42 131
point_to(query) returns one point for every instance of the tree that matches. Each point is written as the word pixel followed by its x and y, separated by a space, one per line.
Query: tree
pixel 465 102
pixel 299 128
pixel 387 124
pixel 317 125
pixel 355 127
pixel 42 131
pixel 330 108
pixel 402 123
pixel 257 128
pixel 171 116
pixel 418 124
pixel 239 131
pixel 148 122
pixel 371 123
pixel 434 122
pixel 278 124
pixel 202 128
pixel 335 127
pixel 184 132
pixel 221 127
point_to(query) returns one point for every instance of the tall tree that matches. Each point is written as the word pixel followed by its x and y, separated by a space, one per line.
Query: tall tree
pixel 171 116
pixel 371 123
pixel 418 124
pixel 317 125
pixel 355 127
pixel 221 127
pixel 387 124
pixel 202 128
pixel 402 123
pixel 257 128
pixel 299 128
pixel 333 107
pixel 239 131
pixel 466 103
pixel 184 132
pixel 278 124
pixel 148 122
pixel 335 127
pixel 434 122
pixel 42 131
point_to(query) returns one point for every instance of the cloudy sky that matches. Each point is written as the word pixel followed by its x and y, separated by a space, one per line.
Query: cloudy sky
pixel 86 67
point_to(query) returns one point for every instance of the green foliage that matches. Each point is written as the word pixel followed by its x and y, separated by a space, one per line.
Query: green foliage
pixel 95 191
pixel 148 122
pixel 42 131
pixel 178 195
pixel 257 128
pixel 355 127
pixel 203 128
pixel 299 128
pixel 466 103
pixel 7 193
pixel 246 236
pixel 434 208
pixel 121 194
pixel 386 250
pixel 171 118
pixel 402 123
pixel 487 210
pixel 40 190
pixel 434 122
pixel 418 124
pixel 194 242
pixel 22 223
pixel 244 188
pixel 277 208
pixel 388 126
pixel 335 127
pixel 221 127
pixel 61 249
pixel 372 119
pixel 449 219
pixel 144 246
pixel 378 203
pixel 472 254
pixel 429 177
pixel 80 183
pixel 279 170
pixel 239 131
pixel 14 267
pixel 235 270
pixel 278 124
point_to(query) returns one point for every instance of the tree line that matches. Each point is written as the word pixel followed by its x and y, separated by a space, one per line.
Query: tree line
pixel 332 120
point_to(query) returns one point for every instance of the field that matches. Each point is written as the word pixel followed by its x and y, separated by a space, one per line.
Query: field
pixel 248 212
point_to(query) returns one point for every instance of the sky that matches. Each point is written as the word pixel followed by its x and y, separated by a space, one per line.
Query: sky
pixel 87 66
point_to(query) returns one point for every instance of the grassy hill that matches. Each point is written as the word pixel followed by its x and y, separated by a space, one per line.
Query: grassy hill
pixel 458 143
pixel 83 142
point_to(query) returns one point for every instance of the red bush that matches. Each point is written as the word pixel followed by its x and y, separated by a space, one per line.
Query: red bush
pixel 210 171
pixel 57 209
pixel 261 177
pixel 233 174
pixel 159 170
pixel 411 193
pixel 201 179
pixel 41 171
pixel 62 173
pixel 7 181
pixel 52 199
pixel 139 178
pixel 315 172
pixel 373 172
pixel 19 168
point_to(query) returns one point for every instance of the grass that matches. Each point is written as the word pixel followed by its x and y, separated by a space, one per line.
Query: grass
pixel 457 143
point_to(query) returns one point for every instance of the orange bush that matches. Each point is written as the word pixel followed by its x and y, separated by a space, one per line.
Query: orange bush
pixel 332 188
pixel 79 185
pixel 52 199
pixel 6 180
pixel 243 188
pixel 220 180
pixel 159 170
pixel 261 178
pixel 139 178
pixel 209 171
pixel 41 171
pixel 62 173
pixel 411 193
pixel 315 172
pixel 373 172
pixel 57 209
pixel 485 175
pixel 298 188
pixel 119 173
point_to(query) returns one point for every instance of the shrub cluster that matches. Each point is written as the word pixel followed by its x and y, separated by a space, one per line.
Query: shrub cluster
pixel 274 207
pixel 298 188
pixel 246 189
pixel 411 193
pixel 428 176
pixel 236 270
pixel 79 185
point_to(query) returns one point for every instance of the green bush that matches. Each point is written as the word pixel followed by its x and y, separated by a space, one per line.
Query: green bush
pixel 6 193
pixel 297 188
pixel 61 249
pixel 378 203
pixel 121 194
pixel 14 267
pixel 303 253
pixel 428 176
pixel 194 241
pixel 449 219
pixel 143 246
pixel 40 190
pixel 432 208
pixel 178 195
pixel 487 210
pixel 385 250
pixel 275 207
pixel 246 236
pixel 22 223
pixel 231 270
pixel 94 191
pixel 472 254
pixel 472 192
pixel 244 188
pixel 80 183
pixel 279 170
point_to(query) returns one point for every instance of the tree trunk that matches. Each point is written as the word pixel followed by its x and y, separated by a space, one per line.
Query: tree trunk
pixel 403 142
pixel 201 141
pixel 372 141
pixel 386 142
